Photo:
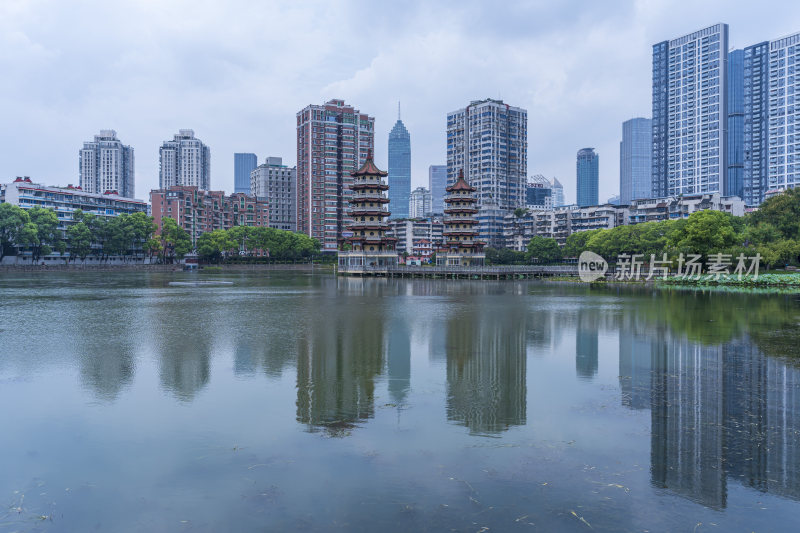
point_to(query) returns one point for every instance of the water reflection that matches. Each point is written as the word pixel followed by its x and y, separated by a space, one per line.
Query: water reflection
pixel 586 341
pixel 486 367
pixel 719 412
pixel 339 357
pixel 399 359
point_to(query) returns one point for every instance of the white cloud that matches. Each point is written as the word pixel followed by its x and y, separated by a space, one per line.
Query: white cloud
pixel 237 72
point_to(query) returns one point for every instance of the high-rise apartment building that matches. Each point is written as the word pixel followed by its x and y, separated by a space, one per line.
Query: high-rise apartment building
pixel 185 161
pixel 690 113
pixel 588 177
pixel 558 193
pixel 771 148
pixel 419 206
pixel 399 169
pixel 635 160
pixel 755 146
pixel 277 184
pixel 488 140
pixel 437 183
pixel 735 124
pixel 106 164
pixel 243 165
pixel 333 140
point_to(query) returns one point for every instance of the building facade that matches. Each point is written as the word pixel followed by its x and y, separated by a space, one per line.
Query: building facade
pixel 65 201
pixel 690 115
pixel 399 170
pixel 437 183
pixel 276 183
pixel 558 193
pixel 419 205
pixel 106 164
pixel 635 160
pixel 243 165
pixel 771 117
pixel 488 141
pixel 539 193
pixel 199 211
pixel 588 177
pixel 735 178
pixel 411 232
pixel 333 140
pixel 185 161
pixel 560 222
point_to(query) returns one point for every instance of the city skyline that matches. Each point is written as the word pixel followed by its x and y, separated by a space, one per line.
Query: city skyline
pixel 231 116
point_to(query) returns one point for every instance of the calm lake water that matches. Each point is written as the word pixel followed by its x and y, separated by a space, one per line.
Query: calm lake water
pixel 292 401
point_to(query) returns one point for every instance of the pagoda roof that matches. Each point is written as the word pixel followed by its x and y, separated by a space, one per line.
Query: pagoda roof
pixel 461 184
pixel 369 168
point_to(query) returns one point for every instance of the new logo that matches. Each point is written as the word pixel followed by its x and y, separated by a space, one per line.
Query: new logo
pixel 591 267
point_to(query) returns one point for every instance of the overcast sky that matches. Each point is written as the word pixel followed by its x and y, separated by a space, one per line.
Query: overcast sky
pixel 237 72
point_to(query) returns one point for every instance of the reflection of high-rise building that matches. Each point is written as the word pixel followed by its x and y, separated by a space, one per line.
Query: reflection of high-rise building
pixel 486 366
pixel 635 354
pixel 586 345
pixel 688 437
pixel 399 359
pixel 338 360
pixel 184 365
pixel 724 411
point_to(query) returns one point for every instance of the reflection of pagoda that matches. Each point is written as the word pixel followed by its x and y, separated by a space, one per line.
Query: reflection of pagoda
pixel 367 233
pixel 486 369
pixel 460 245
pixel 338 361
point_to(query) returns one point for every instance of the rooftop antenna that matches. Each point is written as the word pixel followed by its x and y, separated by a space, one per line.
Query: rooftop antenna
pixel 398 110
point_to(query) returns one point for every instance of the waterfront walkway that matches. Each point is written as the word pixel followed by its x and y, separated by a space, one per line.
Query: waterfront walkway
pixel 459 272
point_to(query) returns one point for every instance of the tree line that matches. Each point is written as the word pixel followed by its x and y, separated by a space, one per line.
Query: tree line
pixel 135 236
pixel 773 231
pixel 275 244
pixel 36 230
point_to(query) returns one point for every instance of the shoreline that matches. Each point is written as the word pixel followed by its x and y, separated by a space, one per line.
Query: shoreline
pixel 158 268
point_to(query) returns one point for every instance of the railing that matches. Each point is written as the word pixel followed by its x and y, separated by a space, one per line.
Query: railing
pixel 474 270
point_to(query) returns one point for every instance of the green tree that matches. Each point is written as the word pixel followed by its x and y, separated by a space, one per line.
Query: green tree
pixel 80 240
pixel 47 232
pixel 12 219
pixel 705 232
pixel 576 242
pixel 543 250
pixel 211 245
pixel 176 242
pixel 782 212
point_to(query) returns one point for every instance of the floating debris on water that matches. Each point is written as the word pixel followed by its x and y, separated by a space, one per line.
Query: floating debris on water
pixel 198 283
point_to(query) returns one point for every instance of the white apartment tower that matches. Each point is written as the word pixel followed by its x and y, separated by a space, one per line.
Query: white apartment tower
pixel 419 204
pixel 105 164
pixel 488 140
pixel 277 183
pixel 185 160
pixel 690 113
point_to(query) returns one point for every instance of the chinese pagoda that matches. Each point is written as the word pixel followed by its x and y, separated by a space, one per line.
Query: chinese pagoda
pixel 461 247
pixel 366 235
